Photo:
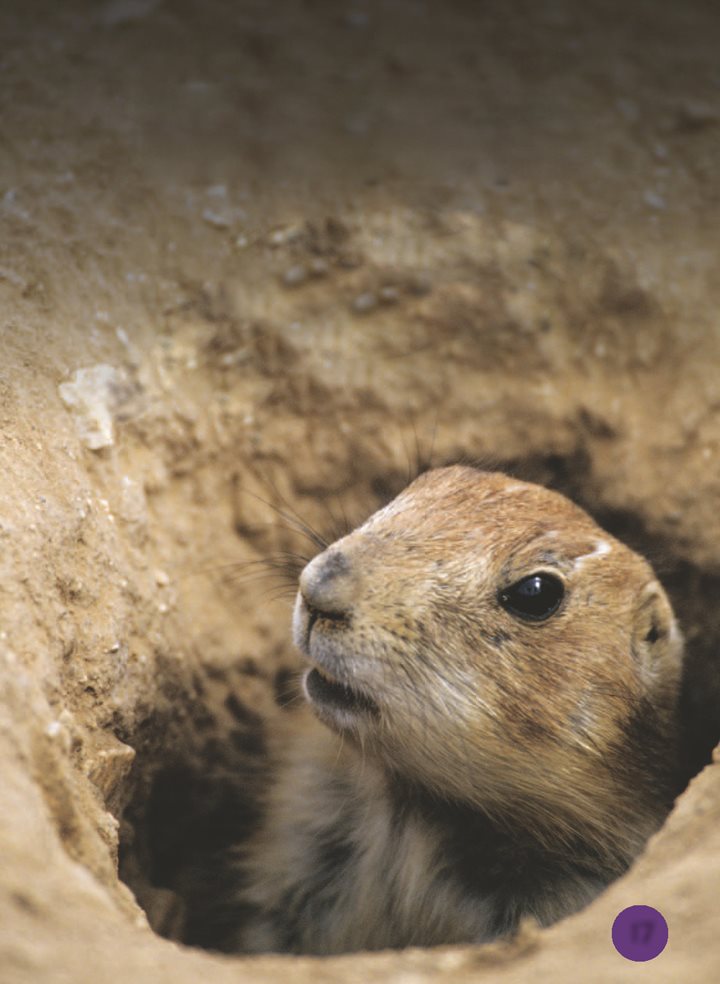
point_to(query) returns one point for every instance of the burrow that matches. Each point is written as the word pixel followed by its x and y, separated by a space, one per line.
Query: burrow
pixel 192 793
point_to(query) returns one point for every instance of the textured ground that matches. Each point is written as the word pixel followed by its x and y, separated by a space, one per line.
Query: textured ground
pixel 302 238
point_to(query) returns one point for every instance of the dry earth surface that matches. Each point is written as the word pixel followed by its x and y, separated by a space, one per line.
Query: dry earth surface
pixel 255 249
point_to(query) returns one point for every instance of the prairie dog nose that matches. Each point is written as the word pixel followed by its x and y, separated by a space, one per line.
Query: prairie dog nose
pixel 328 583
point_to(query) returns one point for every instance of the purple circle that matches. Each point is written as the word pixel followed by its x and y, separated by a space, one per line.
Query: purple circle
pixel 640 933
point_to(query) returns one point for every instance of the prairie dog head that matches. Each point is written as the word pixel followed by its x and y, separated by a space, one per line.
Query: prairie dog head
pixel 485 638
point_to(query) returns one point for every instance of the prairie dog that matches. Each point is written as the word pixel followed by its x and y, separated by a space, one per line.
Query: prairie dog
pixel 490 734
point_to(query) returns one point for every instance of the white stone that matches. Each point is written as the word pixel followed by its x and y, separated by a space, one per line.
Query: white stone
pixel 92 396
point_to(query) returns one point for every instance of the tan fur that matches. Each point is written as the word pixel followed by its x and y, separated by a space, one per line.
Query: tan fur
pixel 530 724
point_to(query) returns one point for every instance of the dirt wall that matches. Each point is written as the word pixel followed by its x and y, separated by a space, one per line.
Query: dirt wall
pixel 280 252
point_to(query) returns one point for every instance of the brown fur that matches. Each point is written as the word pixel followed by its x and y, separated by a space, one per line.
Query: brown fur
pixel 508 767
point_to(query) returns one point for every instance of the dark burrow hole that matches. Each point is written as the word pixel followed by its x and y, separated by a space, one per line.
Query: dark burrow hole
pixel 197 794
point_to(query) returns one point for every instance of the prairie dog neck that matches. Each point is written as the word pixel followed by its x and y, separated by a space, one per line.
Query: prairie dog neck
pixel 351 859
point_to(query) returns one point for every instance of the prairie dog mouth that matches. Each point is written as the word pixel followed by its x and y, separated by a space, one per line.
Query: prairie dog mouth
pixel 329 694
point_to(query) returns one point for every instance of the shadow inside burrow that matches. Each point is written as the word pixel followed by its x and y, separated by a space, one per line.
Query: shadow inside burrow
pixel 195 808
pixel 198 792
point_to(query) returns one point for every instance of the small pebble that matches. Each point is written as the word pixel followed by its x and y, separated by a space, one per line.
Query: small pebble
pixel 629 109
pixel 234 358
pixel 695 115
pixel 219 220
pixel 295 276
pixel 318 266
pixel 285 234
pixel 389 295
pixel 653 199
pixel 364 302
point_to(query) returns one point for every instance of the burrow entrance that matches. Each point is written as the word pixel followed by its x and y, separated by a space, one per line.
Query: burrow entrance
pixel 199 775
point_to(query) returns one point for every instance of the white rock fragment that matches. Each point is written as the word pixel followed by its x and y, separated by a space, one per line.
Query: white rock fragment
pixel 389 295
pixel 220 220
pixel 93 395
pixel 10 205
pixel 653 199
pixel 132 504
pixel 58 733
pixel 221 214
pixel 694 114
pixel 234 358
pixel 285 234
pixel 13 277
pixel 295 275
pixel 125 11
pixel 364 302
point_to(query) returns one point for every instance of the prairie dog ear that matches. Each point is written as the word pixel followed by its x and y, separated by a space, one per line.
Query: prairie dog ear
pixel 656 638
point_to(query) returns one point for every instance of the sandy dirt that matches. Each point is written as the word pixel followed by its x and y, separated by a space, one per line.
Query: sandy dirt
pixel 281 252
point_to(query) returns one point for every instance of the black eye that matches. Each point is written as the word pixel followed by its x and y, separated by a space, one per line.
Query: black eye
pixel 533 598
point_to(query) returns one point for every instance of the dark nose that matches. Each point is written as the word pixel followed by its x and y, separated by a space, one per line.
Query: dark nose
pixel 328 584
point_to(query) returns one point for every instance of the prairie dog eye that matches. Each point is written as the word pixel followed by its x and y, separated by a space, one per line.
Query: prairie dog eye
pixel 533 598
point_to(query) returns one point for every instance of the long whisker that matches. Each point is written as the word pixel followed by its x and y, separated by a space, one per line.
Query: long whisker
pixel 285 576
pixel 321 541
pixel 293 520
pixel 340 527
pixel 431 456
pixel 282 559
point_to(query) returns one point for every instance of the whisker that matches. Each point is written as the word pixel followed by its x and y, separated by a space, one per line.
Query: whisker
pixel 339 527
pixel 418 468
pixel 286 559
pixel 432 440
pixel 289 513
pixel 276 594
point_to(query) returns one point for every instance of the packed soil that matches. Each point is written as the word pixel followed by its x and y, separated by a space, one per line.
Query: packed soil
pixel 258 264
